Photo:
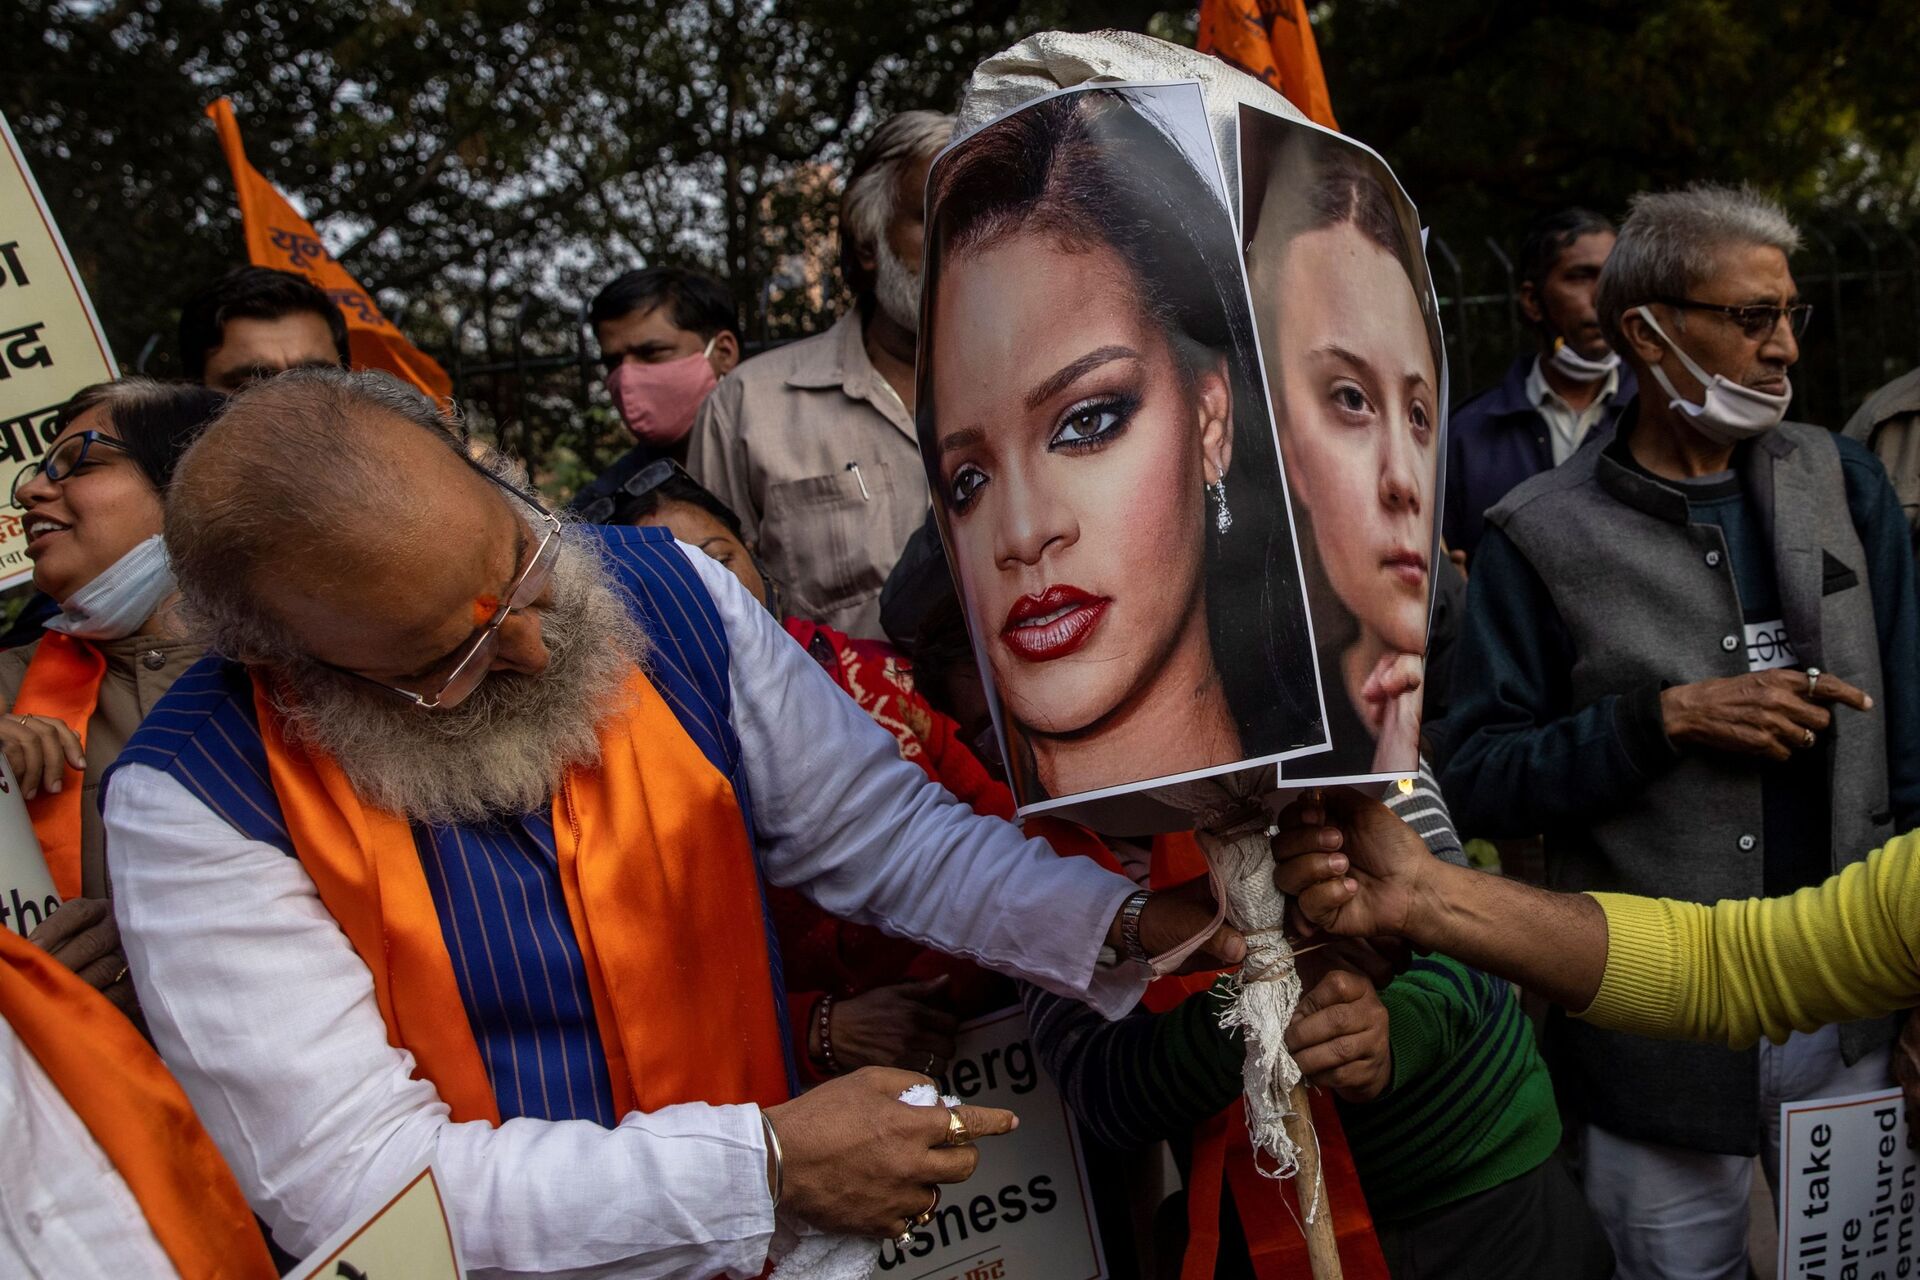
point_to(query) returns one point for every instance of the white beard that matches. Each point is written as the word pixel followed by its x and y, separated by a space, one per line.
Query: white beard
pixel 896 290
pixel 505 750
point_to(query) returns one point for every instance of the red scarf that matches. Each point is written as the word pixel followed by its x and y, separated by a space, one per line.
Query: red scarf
pixel 1223 1153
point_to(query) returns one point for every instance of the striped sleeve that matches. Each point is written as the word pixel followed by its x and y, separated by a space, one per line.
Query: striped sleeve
pixel 1144 1078
pixel 1425 810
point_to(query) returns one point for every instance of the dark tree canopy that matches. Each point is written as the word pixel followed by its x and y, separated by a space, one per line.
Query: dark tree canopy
pixel 484 165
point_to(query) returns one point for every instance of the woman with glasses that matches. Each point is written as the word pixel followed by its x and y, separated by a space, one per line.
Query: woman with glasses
pixel 92 517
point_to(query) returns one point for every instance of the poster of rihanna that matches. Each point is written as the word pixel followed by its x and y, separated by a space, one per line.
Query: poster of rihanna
pixel 1102 451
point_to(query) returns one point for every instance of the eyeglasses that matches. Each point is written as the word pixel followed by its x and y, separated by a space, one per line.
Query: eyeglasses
pixel 472 661
pixel 1757 320
pixel 61 463
pixel 642 482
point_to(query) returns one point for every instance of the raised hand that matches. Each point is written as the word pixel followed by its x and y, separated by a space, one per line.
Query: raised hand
pixel 1339 1037
pixel 1352 867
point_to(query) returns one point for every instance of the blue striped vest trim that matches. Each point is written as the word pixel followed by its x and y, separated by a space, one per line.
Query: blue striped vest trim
pixel 496 886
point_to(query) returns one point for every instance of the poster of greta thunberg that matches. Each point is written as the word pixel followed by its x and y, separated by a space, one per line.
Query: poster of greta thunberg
pixel 1349 329
pixel 1098 436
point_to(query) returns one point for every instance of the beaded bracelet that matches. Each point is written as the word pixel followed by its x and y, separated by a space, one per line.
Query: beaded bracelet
pixel 826 1036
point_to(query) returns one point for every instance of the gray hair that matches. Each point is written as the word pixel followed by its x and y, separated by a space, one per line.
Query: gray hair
pixel 867 208
pixel 266 484
pixel 1671 240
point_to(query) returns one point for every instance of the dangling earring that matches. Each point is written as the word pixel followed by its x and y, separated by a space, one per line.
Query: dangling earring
pixel 1222 518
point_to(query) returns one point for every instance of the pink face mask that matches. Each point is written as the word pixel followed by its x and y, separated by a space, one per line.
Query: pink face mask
pixel 658 401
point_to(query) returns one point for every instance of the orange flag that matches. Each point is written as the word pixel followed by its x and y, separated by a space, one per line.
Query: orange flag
pixel 277 236
pixel 1270 40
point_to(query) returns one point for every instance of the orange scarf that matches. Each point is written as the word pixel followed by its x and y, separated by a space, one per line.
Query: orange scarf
pixel 1223 1153
pixel 661 887
pixel 136 1112
pixel 63 683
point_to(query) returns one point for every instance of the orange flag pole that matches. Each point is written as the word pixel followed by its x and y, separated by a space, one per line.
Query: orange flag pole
pixel 1272 41
pixel 277 236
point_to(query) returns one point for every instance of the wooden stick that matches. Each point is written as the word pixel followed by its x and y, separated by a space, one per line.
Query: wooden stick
pixel 1316 1211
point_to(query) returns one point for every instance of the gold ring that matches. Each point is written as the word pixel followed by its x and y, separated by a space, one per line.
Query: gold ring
pixel 957 1134
pixel 926 1214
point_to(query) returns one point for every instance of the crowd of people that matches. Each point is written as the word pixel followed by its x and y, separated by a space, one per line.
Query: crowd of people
pixel 628 861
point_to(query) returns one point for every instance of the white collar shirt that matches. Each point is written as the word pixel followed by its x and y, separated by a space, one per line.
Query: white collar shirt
pixel 1567 426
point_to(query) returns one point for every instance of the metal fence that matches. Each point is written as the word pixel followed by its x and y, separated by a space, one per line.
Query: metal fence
pixel 531 374
pixel 1864 284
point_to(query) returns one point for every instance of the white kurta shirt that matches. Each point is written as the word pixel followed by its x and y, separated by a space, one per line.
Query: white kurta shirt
pixel 65 1211
pixel 266 1015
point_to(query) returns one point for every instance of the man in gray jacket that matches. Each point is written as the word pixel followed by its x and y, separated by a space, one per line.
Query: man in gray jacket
pixel 1688 658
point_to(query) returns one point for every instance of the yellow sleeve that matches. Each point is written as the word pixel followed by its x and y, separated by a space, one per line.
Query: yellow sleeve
pixel 1735 971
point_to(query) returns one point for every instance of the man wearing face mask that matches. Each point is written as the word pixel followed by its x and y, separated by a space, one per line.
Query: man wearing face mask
pixel 813 443
pixel 667 335
pixel 1694 656
pixel 1550 400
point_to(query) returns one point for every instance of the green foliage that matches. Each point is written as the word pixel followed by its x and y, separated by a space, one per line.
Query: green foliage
pixel 484 165
pixel 1491 112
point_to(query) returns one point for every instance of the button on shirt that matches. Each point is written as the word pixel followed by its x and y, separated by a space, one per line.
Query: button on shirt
pixel 1566 427
pixel 266 1016
pixel 810 445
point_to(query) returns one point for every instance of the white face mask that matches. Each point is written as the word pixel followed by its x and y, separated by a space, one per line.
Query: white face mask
pixel 1578 367
pixel 115 604
pixel 1731 412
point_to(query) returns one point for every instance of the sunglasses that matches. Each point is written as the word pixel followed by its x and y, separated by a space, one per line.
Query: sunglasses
pixel 1757 320
pixel 642 482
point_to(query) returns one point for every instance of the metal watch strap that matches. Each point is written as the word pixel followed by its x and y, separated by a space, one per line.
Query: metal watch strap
pixel 1130 911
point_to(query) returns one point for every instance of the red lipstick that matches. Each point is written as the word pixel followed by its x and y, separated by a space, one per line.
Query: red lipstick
pixel 1052 624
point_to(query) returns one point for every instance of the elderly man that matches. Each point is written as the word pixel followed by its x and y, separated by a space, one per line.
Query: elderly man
pixel 813 443
pixel 255 322
pixel 1552 398
pixel 1692 650
pixel 464 862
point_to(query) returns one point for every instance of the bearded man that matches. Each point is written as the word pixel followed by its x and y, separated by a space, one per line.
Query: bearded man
pixel 813 443
pixel 460 857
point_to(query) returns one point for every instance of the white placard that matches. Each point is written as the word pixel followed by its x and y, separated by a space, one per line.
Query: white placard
pixel 1848 1189
pixel 1026 1213
pixel 410 1237
pixel 51 343
pixel 27 897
